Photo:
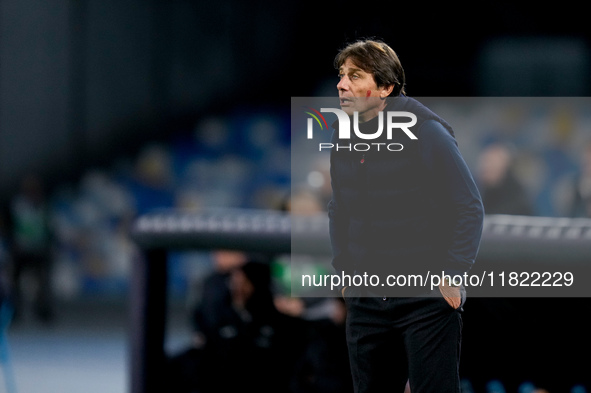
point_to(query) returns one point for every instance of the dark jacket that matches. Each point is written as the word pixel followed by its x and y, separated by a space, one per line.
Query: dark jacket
pixel 405 211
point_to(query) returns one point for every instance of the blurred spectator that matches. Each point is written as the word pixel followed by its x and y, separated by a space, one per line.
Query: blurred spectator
pixel 558 162
pixel 247 343
pixel 215 291
pixel 581 204
pixel 184 368
pixel 31 241
pixel 495 386
pixel 501 191
pixel 153 180
pixel 465 386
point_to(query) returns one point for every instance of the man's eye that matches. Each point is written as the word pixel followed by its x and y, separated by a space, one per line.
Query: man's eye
pixel 341 76
pixel 354 76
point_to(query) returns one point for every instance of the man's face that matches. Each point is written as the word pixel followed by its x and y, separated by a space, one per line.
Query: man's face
pixel 358 92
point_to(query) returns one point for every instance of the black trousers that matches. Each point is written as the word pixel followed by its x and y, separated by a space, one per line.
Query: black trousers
pixel 392 340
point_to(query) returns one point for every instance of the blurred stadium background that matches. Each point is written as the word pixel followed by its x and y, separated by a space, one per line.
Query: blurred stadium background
pixel 122 108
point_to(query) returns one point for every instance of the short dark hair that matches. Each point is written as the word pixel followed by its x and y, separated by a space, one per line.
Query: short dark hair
pixel 377 58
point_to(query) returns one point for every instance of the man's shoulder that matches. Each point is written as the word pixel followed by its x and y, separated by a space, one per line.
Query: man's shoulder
pixel 423 113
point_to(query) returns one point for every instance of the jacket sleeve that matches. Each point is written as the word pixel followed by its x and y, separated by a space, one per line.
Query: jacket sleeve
pixel 456 192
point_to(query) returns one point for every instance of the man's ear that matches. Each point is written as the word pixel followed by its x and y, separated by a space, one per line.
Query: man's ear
pixel 386 91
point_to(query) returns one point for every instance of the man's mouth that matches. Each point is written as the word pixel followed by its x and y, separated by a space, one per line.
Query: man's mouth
pixel 346 100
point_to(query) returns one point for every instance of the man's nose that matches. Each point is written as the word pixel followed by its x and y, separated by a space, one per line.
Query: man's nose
pixel 343 84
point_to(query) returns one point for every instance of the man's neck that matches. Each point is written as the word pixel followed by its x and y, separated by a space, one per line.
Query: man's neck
pixel 372 113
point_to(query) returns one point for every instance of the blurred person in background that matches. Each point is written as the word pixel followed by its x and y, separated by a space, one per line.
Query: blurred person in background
pixel 244 342
pixel 399 213
pixel 501 190
pixel 184 369
pixel 30 245
pixel 215 290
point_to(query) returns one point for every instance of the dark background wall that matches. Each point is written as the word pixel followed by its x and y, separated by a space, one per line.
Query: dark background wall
pixel 83 81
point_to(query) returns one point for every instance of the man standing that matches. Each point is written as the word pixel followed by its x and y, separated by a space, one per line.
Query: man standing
pixel 409 211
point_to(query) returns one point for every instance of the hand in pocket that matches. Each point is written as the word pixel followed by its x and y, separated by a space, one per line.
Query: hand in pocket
pixel 452 295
